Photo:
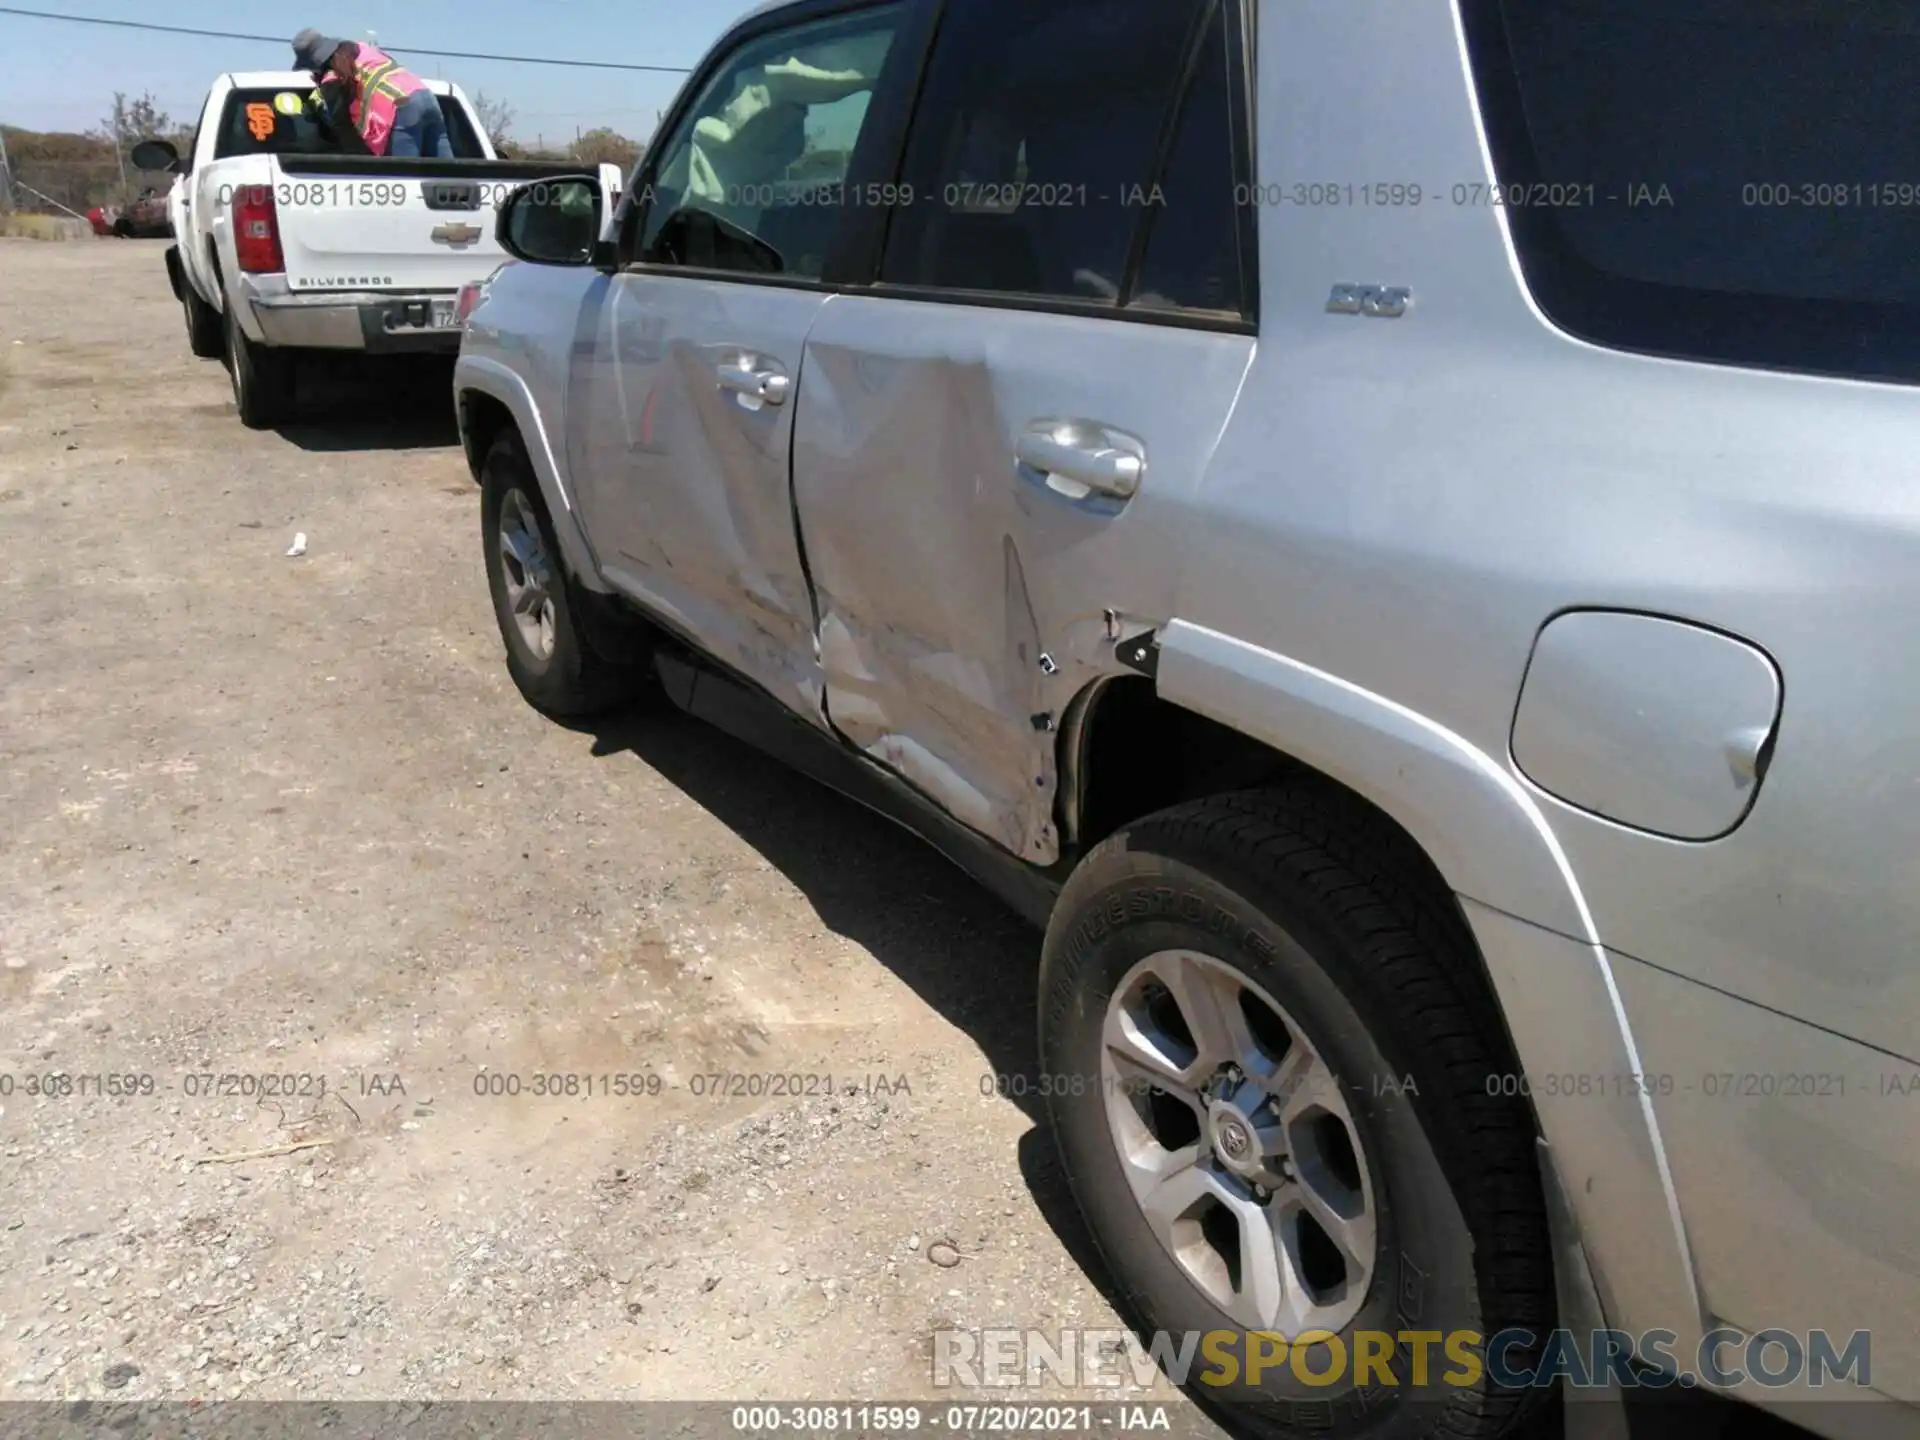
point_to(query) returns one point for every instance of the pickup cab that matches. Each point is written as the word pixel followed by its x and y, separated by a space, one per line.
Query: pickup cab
pixel 293 240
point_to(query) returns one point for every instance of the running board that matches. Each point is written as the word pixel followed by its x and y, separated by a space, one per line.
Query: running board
pixel 759 720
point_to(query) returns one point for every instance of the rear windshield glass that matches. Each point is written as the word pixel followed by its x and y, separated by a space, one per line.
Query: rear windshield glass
pixel 283 122
pixel 1730 179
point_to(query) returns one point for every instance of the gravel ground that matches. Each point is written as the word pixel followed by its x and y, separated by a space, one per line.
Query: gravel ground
pixel 286 817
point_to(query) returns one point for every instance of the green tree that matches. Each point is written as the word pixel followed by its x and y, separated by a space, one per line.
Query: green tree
pixel 496 118
pixel 129 122
pixel 605 146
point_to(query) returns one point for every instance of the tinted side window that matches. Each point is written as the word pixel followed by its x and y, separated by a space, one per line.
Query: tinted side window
pixel 1718 179
pixel 1192 259
pixel 750 181
pixel 1034 144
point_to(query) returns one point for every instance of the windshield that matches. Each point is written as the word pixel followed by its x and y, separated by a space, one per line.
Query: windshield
pixel 283 122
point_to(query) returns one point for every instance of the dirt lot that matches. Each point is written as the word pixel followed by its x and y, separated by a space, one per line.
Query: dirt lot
pixel 286 817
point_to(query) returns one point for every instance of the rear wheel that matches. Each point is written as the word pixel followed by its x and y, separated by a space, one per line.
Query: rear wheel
pixel 1269 1057
pixel 262 378
pixel 549 654
pixel 205 335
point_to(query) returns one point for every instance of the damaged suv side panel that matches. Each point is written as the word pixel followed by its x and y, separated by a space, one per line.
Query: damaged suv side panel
pixel 951 599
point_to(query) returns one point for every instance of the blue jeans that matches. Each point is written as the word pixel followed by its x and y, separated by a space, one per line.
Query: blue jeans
pixel 419 128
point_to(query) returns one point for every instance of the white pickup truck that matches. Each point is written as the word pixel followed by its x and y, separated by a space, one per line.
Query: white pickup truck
pixel 292 239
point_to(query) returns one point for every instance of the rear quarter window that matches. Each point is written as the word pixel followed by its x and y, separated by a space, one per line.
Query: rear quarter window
pixel 1725 180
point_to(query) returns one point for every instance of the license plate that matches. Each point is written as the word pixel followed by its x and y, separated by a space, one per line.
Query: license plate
pixel 434 315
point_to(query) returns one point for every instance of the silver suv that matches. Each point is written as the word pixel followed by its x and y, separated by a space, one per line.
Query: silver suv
pixel 1338 512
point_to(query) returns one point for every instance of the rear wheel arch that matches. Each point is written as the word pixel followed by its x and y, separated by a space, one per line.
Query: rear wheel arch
pixel 1127 752
pixel 1455 821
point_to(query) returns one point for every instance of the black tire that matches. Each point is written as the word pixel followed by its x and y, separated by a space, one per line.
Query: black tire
pixel 262 379
pixel 206 336
pixel 574 679
pixel 1326 910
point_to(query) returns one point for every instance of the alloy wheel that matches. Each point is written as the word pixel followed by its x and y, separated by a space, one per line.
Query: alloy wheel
pixel 1238 1144
pixel 527 574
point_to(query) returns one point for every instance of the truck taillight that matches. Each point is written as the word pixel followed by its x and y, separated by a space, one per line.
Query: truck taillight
pixel 256 230
pixel 471 294
pixel 469 297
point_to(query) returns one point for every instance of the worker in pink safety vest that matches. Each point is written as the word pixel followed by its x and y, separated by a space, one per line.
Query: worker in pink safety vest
pixel 392 108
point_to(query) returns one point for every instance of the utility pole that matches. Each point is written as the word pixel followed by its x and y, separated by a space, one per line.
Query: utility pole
pixel 119 150
pixel 6 175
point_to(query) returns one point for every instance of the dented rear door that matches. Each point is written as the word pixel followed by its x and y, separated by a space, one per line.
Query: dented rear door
pixel 962 589
pixel 997 444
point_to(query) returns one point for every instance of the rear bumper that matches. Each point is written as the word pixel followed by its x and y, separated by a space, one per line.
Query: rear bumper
pixel 371 321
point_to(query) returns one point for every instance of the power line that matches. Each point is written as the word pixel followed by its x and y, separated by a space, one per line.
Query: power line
pixel 403 49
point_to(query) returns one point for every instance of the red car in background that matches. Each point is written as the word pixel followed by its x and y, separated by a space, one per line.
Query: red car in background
pixel 145 218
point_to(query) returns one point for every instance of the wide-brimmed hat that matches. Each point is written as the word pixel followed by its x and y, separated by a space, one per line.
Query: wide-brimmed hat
pixel 313 51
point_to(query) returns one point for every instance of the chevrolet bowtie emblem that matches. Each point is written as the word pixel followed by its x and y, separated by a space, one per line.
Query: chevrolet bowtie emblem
pixel 457 234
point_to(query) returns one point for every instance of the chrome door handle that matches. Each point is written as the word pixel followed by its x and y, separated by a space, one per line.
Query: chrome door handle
pixel 769 386
pixel 1079 459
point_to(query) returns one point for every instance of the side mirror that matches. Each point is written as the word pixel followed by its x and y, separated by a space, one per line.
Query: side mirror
pixel 155 155
pixel 552 222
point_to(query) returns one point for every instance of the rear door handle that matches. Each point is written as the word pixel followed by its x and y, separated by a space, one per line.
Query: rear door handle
pixel 767 386
pixel 1079 458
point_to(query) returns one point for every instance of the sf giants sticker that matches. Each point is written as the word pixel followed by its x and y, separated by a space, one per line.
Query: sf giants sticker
pixel 287 103
pixel 260 121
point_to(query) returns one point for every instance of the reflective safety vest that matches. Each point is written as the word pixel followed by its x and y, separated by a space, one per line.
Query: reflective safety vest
pixel 379 86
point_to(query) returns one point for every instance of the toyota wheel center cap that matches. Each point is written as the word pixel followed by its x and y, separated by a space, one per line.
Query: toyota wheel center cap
pixel 1235 1139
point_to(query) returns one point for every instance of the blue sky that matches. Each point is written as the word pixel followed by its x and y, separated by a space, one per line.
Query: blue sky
pixel 60 76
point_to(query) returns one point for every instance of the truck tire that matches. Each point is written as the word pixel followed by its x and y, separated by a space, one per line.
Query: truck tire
pixel 1256 994
pixel 206 337
pixel 540 612
pixel 262 378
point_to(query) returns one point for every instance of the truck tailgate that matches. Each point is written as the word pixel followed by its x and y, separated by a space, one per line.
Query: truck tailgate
pixel 367 223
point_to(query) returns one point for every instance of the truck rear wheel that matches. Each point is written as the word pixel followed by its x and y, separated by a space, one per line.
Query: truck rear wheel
pixel 262 379
pixel 1271 1061
pixel 205 335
